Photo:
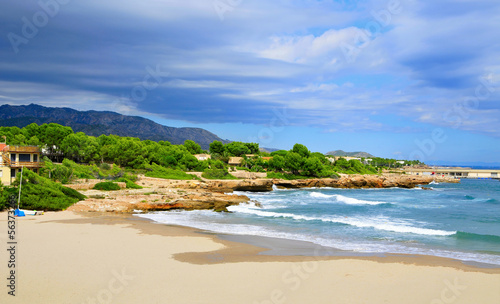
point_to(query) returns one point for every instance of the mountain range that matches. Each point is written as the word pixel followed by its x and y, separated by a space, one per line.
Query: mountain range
pixel 96 123
pixel 351 154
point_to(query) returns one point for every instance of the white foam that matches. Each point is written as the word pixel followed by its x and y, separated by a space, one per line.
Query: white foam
pixel 320 195
pixel 346 200
pixel 353 201
pixel 381 223
pixel 203 219
pixel 397 228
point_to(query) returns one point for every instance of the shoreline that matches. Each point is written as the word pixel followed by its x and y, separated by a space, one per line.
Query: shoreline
pixel 68 257
pixel 277 248
pixel 251 248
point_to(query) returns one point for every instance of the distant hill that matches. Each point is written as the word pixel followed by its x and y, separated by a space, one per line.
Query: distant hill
pixel 268 150
pixel 351 154
pixel 96 123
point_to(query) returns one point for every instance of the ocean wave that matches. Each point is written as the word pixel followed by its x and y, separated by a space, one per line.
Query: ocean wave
pixel 388 225
pixel 481 200
pixel 492 201
pixel 319 195
pixel 477 237
pixel 194 219
pixel 346 200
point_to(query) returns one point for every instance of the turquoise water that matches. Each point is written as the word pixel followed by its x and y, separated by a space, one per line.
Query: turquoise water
pixel 459 221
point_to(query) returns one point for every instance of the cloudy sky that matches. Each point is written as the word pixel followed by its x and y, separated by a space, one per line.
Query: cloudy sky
pixel 399 78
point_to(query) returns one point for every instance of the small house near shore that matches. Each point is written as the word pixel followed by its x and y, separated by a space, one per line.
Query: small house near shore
pixel 202 157
pixel 336 158
pixel 14 158
pixel 235 161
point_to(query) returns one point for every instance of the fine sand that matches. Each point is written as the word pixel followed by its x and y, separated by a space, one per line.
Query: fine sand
pixel 66 257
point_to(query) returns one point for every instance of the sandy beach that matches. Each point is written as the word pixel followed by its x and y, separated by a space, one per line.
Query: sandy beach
pixel 68 257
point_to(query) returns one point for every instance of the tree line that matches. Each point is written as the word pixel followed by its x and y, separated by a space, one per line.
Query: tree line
pixel 59 143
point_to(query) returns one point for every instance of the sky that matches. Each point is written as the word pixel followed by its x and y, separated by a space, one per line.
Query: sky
pixel 401 79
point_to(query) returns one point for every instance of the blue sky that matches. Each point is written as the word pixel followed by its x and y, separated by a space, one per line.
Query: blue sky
pixel 400 78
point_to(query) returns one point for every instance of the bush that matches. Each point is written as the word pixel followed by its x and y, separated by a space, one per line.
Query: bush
pixel 105 166
pixel 286 176
pixel 130 184
pixel 106 186
pixel 167 173
pixel 328 173
pixel 39 193
pixel 217 174
pixel 5 195
pixel 353 167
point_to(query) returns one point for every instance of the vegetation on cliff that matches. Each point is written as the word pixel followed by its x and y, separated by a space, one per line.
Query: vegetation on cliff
pixel 106 186
pixel 40 193
pixel 157 171
pixel 69 156
pixel 61 144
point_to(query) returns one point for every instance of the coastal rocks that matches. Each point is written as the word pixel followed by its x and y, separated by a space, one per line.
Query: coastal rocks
pixel 446 179
pixel 158 195
pixel 357 181
pixel 194 202
pixel 254 185
pixel 161 194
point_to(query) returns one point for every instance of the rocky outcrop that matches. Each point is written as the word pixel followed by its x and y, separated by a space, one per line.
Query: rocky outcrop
pixel 161 194
pixel 264 185
pixel 255 185
pixel 203 201
pixel 358 181
pixel 157 200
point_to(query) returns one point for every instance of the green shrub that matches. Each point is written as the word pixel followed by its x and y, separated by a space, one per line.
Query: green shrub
pixel 130 184
pixel 39 193
pixel 157 171
pixel 327 173
pixel 286 176
pixel 217 174
pixel 5 195
pixel 105 166
pixel 106 186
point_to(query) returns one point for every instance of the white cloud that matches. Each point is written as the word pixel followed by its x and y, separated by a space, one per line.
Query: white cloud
pixel 304 49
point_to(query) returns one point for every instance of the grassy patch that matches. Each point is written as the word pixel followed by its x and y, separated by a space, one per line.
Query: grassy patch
pixel 167 173
pixel 217 174
pixel 106 186
pixel 286 176
pixel 130 184
pixel 289 176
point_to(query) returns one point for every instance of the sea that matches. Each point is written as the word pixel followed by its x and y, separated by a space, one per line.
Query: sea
pixel 459 221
